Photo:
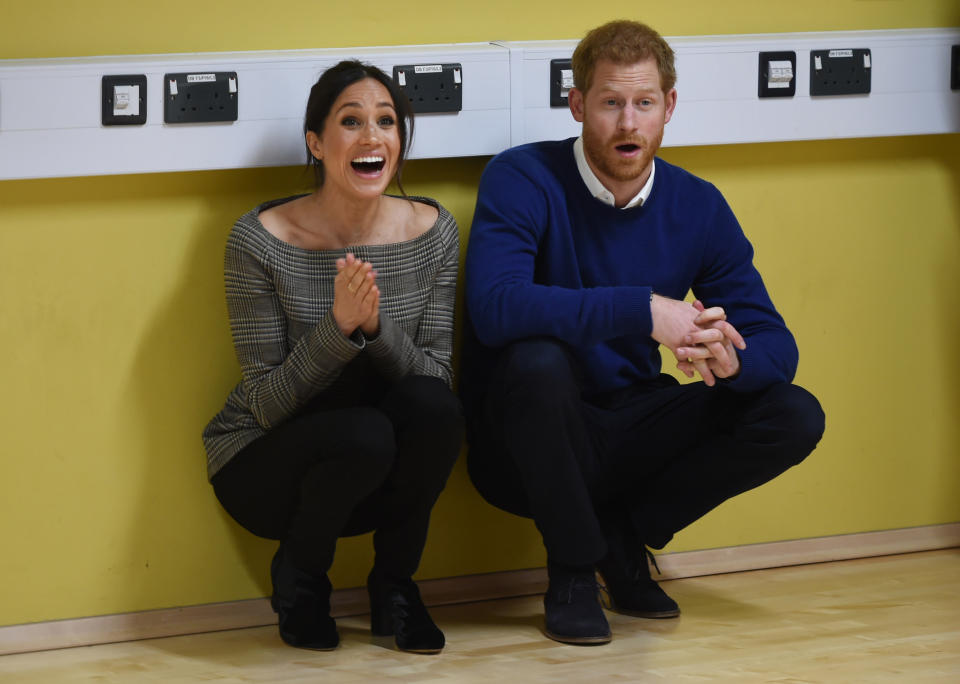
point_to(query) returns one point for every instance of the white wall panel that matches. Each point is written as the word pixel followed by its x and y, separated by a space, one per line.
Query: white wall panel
pixel 50 109
pixel 717 89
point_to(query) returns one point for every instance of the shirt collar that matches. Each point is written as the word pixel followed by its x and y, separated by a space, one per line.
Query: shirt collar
pixel 598 190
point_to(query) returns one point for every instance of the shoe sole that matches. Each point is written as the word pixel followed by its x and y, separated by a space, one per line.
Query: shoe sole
pixel 659 615
pixel 311 648
pixel 421 651
pixel 579 641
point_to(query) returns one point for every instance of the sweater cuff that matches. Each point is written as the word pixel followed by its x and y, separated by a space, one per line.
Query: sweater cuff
pixel 334 342
pixel 632 310
pixel 387 338
pixel 744 381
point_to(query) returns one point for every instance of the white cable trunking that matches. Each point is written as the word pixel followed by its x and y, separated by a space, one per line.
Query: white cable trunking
pixel 50 108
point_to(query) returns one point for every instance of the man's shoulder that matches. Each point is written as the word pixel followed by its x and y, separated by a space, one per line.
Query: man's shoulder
pixel 681 180
pixel 542 155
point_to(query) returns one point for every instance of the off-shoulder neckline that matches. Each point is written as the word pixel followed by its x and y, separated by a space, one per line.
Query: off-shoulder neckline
pixel 441 214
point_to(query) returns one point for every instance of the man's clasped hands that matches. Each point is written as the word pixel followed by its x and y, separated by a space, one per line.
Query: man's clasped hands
pixel 701 339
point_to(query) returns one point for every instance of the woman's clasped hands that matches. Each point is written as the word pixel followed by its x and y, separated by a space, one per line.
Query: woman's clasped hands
pixel 356 297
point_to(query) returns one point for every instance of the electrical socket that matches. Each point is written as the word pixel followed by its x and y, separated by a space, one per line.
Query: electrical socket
pixel 200 98
pixel 431 87
pixel 840 72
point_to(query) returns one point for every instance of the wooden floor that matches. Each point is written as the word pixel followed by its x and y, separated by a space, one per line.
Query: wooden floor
pixel 895 618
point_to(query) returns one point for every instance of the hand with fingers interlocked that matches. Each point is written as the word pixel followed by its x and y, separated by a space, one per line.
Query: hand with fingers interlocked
pixel 711 350
pixel 701 338
pixel 356 297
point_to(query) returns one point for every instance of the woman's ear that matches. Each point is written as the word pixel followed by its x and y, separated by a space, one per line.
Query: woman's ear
pixel 315 145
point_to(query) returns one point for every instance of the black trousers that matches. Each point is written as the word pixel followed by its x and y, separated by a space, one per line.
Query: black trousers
pixel 652 458
pixel 378 462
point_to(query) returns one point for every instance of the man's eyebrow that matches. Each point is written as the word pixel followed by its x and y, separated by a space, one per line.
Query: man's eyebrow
pixel 613 89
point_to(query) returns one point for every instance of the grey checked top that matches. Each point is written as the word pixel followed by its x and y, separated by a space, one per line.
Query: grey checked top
pixel 280 298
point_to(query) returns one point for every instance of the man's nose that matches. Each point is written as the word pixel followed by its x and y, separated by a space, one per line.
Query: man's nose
pixel 628 119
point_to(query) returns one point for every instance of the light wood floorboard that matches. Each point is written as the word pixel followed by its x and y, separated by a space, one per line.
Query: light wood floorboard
pixel 895 618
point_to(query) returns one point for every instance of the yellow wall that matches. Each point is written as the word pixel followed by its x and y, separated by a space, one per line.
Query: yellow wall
pixel 115 346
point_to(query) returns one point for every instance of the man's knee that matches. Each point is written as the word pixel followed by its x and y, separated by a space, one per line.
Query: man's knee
pixel 539 364
pixel 799 417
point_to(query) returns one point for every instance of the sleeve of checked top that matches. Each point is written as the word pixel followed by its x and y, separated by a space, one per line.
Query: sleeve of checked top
pixel 427 348
pixel 277 379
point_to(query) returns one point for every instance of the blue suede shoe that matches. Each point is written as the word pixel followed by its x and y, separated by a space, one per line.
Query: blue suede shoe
pixel 629 588
pixel 572 610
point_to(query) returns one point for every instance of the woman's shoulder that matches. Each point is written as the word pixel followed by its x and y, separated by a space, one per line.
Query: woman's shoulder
pixel 426 216
pixel 249 229
pixel 446 226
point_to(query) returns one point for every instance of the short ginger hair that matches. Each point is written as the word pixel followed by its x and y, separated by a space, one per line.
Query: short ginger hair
pixel 622 42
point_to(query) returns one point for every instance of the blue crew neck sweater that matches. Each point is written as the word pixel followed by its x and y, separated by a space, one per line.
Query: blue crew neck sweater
pixel 547 259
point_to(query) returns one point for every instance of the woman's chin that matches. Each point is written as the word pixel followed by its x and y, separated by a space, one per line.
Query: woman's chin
pixel 368 189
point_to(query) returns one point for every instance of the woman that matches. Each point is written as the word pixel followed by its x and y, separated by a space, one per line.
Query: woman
pixel 341 309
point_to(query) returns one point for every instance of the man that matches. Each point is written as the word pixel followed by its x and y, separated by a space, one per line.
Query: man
pixel 580 255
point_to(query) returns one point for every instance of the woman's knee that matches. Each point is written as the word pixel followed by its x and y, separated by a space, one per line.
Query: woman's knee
pixel 367 441
pixel 425 394
pixel 421 404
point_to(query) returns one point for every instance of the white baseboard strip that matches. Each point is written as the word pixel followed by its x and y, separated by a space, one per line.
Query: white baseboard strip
pixel 213 617
pixel 806 551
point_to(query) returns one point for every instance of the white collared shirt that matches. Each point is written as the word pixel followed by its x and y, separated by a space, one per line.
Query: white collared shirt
pixel 598 190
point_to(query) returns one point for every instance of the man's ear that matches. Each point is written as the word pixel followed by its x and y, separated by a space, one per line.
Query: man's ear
pixel 575 102
pixel 315 145
pixel 671 103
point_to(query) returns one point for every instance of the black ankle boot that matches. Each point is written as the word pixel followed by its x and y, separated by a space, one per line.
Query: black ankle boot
pixel 630 589
pixel 397 609
pixel 302 602
pixel 572 608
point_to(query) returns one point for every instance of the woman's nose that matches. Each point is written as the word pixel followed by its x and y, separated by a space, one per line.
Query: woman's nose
pixel 370 131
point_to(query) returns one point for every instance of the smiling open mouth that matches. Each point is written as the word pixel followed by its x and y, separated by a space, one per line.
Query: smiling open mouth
pixel 368 164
